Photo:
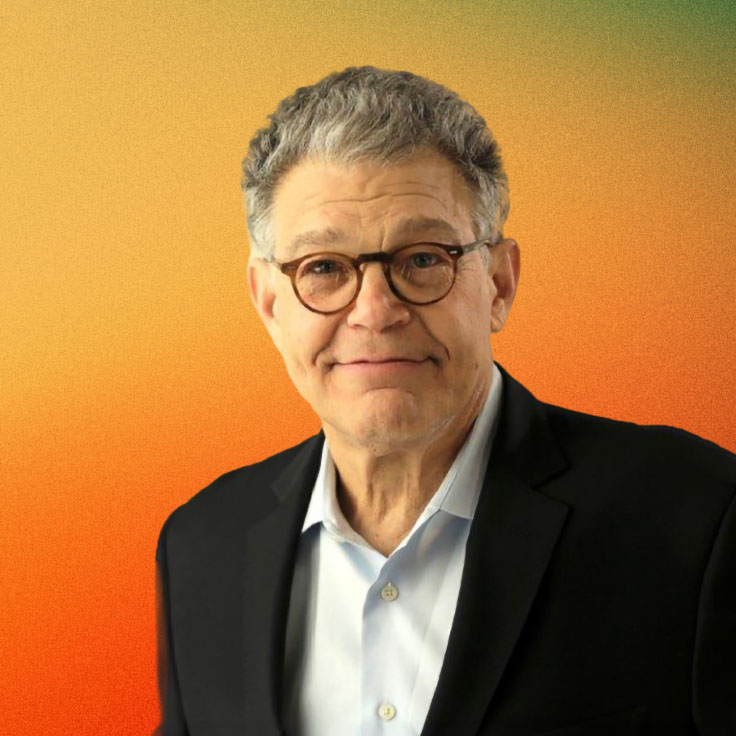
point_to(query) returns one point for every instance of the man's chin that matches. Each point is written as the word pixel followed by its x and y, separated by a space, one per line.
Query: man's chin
pixel 387 425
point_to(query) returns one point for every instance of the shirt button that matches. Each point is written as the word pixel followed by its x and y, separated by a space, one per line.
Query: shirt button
pixel 386 711
pixel 389 592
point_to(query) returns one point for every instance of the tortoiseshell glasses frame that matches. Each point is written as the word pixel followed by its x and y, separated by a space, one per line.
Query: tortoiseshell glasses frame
pixel 454 252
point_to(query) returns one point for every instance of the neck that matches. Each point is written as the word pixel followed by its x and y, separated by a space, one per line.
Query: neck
pixel 383 491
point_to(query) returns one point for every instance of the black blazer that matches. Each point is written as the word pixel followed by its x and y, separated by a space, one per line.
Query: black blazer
pixel 598 594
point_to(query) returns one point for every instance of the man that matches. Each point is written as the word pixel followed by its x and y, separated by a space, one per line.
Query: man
pixel 448 555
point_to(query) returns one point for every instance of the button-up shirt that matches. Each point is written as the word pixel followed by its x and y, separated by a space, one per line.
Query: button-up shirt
pixel 366 634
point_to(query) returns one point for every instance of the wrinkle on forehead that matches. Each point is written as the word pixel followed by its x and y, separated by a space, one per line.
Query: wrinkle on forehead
pixel 410 228
pixel 320 198
pixel 316 198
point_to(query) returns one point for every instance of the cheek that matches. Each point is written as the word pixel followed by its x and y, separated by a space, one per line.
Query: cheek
pixel 469 330
pixel 473 293
pixel 306 339
pixel 299 354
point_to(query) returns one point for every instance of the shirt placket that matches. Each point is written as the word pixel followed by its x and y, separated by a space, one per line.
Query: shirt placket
pixel 384 706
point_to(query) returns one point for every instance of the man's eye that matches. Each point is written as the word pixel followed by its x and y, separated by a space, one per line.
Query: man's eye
pixel 423 260
pixel 325 267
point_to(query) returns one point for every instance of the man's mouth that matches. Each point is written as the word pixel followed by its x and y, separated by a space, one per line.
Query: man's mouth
pixel 382 366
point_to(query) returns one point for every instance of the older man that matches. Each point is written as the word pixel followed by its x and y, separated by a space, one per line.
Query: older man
pixel 448 555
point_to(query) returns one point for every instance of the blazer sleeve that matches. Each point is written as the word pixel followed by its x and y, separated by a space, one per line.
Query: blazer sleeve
pixel 714 664
pixel 172 720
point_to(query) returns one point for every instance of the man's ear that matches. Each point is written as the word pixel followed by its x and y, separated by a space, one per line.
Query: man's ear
pixel 504 272
pixel 263 295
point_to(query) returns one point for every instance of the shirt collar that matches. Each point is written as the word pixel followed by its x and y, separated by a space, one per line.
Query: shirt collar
pixel 458 493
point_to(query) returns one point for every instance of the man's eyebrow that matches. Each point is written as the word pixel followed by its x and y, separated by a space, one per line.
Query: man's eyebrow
pixel 409 228
pixel 327 237
pixel 428 226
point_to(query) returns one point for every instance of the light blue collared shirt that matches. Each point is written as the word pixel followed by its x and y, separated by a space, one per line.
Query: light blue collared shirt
pixel 367 634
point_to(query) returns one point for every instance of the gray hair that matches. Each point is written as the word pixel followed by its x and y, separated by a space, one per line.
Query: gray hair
pixel 365 113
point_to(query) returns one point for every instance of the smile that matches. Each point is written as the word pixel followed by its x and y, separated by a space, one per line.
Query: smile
pixel 380 367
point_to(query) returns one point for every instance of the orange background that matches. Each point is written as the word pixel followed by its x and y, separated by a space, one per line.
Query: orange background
pixel 134 370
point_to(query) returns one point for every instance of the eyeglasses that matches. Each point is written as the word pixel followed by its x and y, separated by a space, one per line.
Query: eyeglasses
pixel 420 273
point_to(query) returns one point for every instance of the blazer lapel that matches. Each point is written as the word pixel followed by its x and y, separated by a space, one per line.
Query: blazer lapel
pixel 270 552
pixel 511 540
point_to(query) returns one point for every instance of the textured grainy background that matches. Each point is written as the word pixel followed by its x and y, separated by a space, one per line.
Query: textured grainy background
pixel 134 370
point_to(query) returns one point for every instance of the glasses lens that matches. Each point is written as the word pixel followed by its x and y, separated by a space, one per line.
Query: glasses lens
pixel 327 282
pixel 422 273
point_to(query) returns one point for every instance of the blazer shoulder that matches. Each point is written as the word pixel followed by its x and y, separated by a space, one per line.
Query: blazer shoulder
pixel 227 495
pixel 658 447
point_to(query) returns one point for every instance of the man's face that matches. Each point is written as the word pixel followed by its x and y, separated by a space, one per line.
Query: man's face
pixel 383 373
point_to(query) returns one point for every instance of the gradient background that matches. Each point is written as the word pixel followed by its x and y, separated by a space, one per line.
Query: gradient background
pixel 134 370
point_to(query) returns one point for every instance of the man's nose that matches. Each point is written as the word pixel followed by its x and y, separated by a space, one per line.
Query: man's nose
pixel 376 306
